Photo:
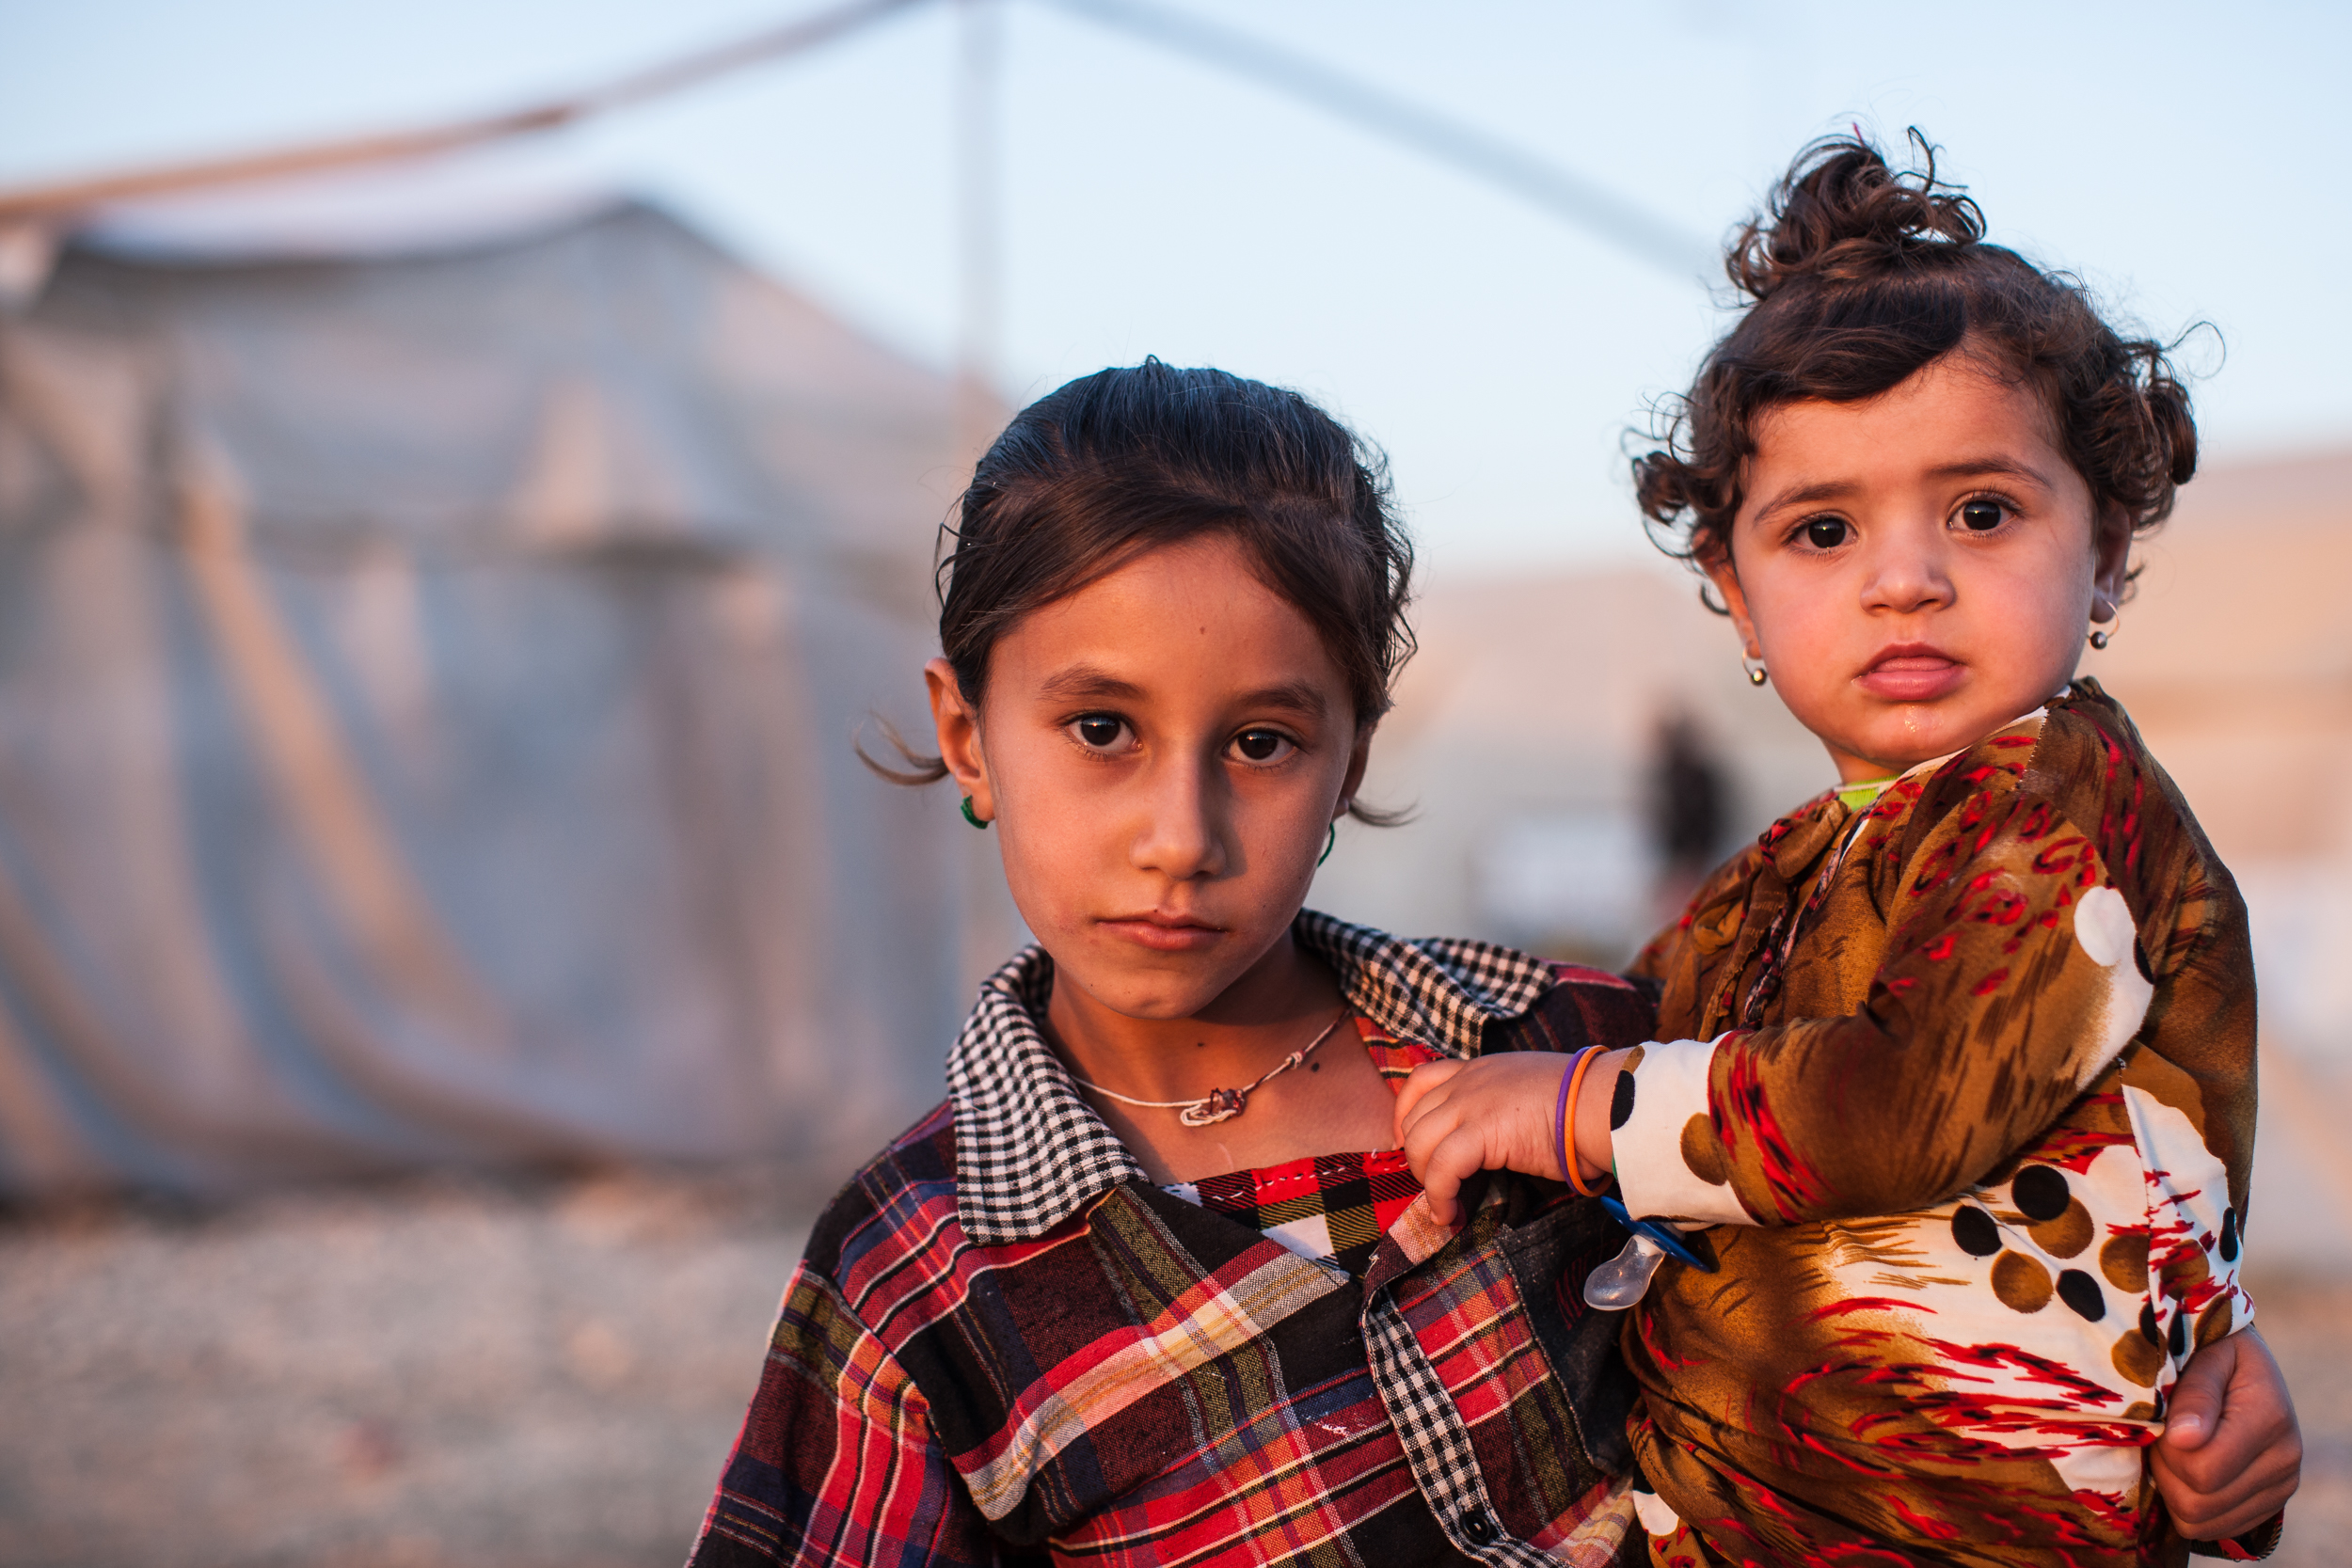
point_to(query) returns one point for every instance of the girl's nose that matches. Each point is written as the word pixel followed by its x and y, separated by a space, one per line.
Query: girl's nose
pixel 1182 835
pixel 1906 573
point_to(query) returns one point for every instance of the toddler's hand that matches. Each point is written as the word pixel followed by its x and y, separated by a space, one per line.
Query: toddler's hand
pixel 1456 1119
pixel 2231 1454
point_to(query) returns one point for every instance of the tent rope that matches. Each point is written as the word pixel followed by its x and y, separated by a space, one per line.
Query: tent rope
pixel 62 200
pixel 1534 178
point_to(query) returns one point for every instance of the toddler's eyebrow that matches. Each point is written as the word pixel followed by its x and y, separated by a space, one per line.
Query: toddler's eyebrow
pixel 1980 468
pixel 1805 495
pixel 1971 467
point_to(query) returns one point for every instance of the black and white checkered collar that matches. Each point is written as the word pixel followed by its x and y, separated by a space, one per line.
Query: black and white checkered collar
pixel 1030 1152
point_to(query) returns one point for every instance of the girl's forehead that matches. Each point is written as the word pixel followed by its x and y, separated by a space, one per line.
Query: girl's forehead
pixel 1196 612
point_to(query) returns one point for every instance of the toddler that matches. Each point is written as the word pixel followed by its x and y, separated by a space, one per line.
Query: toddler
pixel 1954 1074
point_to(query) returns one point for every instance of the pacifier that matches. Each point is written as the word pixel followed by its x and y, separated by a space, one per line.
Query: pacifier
pixel 1625 1278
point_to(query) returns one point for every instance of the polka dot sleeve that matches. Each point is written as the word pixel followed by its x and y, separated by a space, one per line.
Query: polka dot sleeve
pixel 1662 1106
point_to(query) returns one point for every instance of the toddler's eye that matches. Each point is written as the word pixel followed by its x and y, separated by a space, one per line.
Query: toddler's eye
pixel 1262 745
pixel 1100 730
pixel 1826 533
pixel 1981 517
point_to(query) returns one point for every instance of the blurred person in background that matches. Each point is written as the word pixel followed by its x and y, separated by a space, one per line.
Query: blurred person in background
pixel 1685 809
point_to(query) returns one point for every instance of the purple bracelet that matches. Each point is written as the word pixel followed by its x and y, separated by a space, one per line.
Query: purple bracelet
pixel 1560 1119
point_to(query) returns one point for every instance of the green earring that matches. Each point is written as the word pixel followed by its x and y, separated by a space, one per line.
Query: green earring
pixel 969 816
pixel 1331 843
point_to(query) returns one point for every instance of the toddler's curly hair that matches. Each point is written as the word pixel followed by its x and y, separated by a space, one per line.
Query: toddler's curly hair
pixel 1861 276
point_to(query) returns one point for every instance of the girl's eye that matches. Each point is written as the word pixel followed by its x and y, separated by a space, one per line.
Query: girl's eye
pixel 1826 533
pixel 1982 516
pixel 1262 745
pixel 1100 731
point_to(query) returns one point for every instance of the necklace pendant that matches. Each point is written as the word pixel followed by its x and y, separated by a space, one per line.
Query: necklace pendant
pixel 1220 1105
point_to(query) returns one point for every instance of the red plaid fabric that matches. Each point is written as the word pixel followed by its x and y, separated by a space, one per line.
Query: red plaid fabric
pixel 1004 1346
pixel 1328 1207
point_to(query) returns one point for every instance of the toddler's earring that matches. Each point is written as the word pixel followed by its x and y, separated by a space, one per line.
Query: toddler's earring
pixel 1755 667
pixel 972 816
pixel 2098 637
pixel 1330 842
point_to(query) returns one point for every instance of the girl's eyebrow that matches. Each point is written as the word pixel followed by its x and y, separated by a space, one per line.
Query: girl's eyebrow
pixel 1081 682
pixel 1086 683
pixel 1299 697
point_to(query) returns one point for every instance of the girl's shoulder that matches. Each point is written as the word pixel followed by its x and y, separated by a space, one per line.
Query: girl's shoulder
pixel 1582 1006
pixel 884 1203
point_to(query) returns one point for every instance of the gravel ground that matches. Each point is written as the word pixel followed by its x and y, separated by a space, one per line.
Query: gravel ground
pixel 435 1375
pixel 502 1374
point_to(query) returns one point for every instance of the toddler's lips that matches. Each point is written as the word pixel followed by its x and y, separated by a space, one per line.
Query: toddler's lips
pixel 1912 677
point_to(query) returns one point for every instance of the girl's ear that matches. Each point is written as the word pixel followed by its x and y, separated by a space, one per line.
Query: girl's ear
pixel 959 726
pixel 2111 560
pixel 1358 758
pixel 1717 564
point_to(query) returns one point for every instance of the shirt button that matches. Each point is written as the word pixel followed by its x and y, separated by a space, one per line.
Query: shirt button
pixel 1480 1530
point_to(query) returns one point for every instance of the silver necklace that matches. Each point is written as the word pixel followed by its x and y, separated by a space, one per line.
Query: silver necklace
pixel 1218 1104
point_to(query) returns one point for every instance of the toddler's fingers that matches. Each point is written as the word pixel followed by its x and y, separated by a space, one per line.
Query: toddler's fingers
pixel 2233 1456
pixel 1417 1084
pixel 1424 1130
pixel 1455 1158
pixel 1441 1197
pixel 2195 1406
pixel 1433 1124
pixel 2202 1517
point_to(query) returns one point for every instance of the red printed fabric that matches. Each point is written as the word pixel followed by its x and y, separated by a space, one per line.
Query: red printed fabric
pixel 1960 1091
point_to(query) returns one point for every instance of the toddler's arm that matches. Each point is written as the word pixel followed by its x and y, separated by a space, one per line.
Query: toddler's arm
pixel 1456 1119
pixel 2007 981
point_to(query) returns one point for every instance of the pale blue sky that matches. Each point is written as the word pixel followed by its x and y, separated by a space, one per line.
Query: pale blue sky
pixel 2186 163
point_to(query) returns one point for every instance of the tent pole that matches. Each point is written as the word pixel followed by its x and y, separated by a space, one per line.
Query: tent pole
pixel 979 236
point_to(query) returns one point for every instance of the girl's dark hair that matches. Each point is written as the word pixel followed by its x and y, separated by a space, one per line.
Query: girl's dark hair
pixel 1126 460
pixel 1860 276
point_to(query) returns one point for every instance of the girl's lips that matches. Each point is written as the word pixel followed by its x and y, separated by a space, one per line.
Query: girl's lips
pixel 1911 677
pixel 1161 935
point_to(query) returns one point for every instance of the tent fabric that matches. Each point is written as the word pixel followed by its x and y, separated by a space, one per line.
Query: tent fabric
pixel 426 685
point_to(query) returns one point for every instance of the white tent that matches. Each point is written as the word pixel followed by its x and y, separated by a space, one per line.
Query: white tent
pixel 427 672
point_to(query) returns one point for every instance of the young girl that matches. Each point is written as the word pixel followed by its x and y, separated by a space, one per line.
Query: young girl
pixel 1958 1060
pixel 1152 1285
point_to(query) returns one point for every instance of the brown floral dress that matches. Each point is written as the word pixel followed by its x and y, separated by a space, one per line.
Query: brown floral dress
pixel 1963 1096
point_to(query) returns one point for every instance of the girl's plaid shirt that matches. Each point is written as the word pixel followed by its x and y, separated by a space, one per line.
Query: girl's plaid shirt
pixel 1006 1345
